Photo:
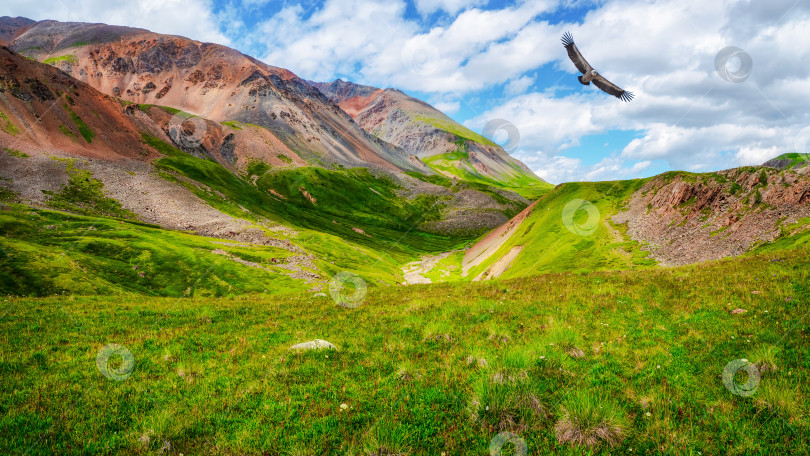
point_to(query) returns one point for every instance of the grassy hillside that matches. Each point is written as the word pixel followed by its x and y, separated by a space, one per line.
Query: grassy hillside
pixel 46 252
pixel 449 125
pixel 338 201
pixel 796 160
pixel 458 165
pixel 591 244
pixel 636 358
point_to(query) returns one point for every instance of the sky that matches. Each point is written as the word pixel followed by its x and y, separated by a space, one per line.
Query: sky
pixel 717 83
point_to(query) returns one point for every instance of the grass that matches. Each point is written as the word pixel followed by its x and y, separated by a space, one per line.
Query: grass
pixel 457 164
pixel 173 111
pixel 458 185
pixel 7 194
pixel 15 153
pixel 796 159
pixel 67 132
pixel 85 195
pixel 343 201
pixel 233 124
pixel 6 126
pixel 72 59
pixel 450 126
pixel 84 130
pixel 592 243
pixel 49 252
pixel 215 375
pixel 256 168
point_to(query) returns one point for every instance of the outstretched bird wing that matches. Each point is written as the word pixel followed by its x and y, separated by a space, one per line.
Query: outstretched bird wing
pixel 611 88
pixel 573 53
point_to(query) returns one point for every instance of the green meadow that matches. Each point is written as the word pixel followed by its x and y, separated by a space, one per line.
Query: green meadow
pixel 627 362
pixel 119 337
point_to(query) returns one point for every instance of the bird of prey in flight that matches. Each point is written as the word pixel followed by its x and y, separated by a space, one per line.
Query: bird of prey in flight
pixel 589 74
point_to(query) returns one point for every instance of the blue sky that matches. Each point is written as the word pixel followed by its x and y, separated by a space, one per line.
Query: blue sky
pixel 481 60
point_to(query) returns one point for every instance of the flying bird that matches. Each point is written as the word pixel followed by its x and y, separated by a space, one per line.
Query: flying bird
pixel 589 74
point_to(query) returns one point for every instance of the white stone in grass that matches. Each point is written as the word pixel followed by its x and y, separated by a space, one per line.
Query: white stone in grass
pixel 316 344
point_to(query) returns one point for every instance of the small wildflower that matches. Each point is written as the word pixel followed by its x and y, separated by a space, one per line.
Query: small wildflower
pixel 343 406
pixel 648 414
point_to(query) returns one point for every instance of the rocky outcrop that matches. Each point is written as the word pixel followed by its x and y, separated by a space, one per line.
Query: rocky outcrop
pixel 778 163
pixel 685 218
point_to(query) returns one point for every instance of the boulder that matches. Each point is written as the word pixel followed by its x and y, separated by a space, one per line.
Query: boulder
pixel 316 344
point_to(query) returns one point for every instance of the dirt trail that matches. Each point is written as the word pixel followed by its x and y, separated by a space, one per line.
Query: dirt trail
pixel 500 266
pixel 413 271
pixel 487 247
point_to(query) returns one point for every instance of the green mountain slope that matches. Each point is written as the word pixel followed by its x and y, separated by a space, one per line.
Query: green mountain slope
pixel 45 252
pixel 457 165
pixel 674 218
pixel 791 160
pixel 548 245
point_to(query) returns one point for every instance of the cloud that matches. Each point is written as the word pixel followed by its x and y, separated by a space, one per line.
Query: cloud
pixel 426 7
pixel 518 86
pixel 340 38
pixel 374 43
pixel 194 19
pixel 447 107
pixel 688 115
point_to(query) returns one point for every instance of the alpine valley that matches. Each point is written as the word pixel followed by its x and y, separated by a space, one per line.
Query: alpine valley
pixel 194 204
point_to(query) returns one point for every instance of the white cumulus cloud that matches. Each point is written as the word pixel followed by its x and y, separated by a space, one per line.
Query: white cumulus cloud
pixel 193 19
